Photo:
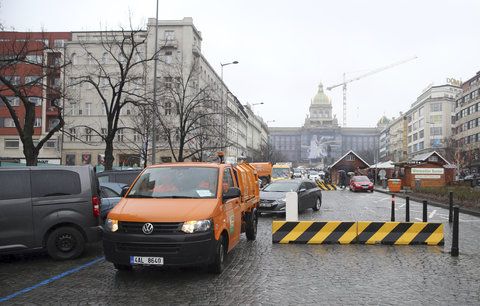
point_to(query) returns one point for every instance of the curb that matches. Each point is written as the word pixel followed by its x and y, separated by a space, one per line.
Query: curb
pixel 433 203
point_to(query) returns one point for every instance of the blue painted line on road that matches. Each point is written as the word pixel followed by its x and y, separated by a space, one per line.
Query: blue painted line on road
pixel 51 279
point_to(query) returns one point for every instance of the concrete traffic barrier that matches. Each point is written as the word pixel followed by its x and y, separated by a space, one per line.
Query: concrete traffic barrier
pixel 403 233
pixel 291 206
pixel 313 232
pixel 363 232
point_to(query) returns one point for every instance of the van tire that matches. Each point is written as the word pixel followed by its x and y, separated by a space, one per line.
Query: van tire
pixel 121 267
pixel 252 224
pixel 65 242
pixel 218 264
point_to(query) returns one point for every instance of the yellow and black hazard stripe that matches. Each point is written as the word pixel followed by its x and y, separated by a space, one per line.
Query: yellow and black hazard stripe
pixel 326 186
pixel 311 232
pixel 404 233
pixel 364 232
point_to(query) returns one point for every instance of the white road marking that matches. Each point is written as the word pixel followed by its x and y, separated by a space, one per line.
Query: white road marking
pixel 432 213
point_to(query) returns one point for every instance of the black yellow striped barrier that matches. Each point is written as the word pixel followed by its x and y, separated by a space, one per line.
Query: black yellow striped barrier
pixel 398 233
pixel 404 233
pixel 326 186
pixel 313 232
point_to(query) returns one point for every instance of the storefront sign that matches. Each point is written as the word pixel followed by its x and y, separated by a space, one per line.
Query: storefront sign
pixel 427 176
pixel 427 170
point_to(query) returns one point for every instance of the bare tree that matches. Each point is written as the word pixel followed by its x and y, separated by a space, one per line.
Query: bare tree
pixel 190 113
pixel 116 69
pixel 28 70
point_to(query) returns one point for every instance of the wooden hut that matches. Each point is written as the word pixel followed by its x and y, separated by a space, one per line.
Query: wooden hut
pixel 350 162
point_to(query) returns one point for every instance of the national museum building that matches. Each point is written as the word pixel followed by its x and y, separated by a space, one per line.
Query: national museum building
pixel 321 141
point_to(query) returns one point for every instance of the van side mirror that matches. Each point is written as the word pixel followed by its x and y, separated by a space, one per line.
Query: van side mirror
pixel 302 190
pixel 124 191
pixel 232 192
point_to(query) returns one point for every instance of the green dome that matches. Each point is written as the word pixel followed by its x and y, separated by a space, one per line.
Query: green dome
pixel 384 121
pixel 320 97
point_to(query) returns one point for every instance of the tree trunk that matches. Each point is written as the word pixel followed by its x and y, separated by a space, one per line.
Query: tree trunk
pixel 109 153
pixel 31 155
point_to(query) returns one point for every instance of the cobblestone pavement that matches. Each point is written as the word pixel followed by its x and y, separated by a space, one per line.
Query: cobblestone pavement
pixel 261 273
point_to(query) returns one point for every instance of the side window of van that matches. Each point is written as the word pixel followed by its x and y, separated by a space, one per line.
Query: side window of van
pixel 14 185
pixel 227 178
pixel 47 183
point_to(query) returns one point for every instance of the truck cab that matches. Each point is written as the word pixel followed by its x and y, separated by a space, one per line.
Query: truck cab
pixel 183 214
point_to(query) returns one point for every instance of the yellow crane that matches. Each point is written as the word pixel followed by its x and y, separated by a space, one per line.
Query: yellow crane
pixel 345 82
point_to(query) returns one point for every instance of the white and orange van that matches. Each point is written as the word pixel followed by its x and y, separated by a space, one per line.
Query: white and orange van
pixel 183 214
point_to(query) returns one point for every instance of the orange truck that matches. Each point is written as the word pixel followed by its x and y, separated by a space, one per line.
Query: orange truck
pixel 264 171
pixel 183 214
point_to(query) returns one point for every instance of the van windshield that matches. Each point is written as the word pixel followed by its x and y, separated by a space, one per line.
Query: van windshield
pixel 280 172
pixel 176 182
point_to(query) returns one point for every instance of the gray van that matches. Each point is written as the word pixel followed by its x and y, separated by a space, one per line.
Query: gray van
pixel 53 208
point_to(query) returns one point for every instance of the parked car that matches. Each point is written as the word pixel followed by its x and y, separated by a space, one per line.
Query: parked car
pixel 111 195
pixel 360 183
pixel 119 176
pixel 55 208
pixel 272 197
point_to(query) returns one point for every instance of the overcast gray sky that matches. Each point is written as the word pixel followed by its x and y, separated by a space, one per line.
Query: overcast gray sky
pixel 285 48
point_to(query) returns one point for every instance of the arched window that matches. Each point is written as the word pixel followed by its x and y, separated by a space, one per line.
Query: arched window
pixel 74 59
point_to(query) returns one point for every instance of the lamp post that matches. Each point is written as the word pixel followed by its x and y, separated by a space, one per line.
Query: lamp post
pixel 224 108
pixel 154 136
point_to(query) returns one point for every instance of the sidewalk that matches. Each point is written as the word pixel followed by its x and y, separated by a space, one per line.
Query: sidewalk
pixel 403 194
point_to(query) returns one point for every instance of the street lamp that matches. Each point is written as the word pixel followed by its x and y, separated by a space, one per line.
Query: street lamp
pixel 226 64
pixel 224 107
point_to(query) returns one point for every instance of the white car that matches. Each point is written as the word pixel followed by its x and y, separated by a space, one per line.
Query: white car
pixel 313 175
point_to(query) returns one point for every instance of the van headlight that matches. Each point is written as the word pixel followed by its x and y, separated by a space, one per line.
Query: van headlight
pixel 112 225
pixel 190 227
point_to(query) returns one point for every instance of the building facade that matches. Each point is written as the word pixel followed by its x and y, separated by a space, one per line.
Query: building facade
pixel 430 120
pixel 40 84
pixel 321 141
pixel 180 60
pixel 467 126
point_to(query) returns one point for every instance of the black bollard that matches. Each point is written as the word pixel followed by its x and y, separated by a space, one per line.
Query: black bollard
pixel 392 218
pixel 450 210
pixel 407 209
pixel 454 251
pixel 425 211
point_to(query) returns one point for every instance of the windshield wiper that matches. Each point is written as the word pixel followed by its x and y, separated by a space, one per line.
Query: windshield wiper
pixel 140 196
pixel 176 197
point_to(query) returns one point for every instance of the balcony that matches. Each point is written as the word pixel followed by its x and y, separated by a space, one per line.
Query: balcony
pixel 168 43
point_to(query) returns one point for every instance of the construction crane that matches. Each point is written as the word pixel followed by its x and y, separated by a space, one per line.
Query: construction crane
pixel 345 82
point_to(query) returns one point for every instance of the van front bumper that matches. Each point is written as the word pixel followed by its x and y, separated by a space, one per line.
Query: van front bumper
pixel 176 249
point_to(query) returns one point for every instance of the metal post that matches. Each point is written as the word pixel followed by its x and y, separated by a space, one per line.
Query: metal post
pixel 392 218
pixel 454 250
pixel 450 209
pixel 154 113
pixel 425 217
pixel 407 209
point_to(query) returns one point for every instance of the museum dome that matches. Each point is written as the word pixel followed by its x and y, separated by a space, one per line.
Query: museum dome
pixel 320 97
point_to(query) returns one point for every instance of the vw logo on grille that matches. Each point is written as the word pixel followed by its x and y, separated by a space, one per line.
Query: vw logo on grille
pixel 147 228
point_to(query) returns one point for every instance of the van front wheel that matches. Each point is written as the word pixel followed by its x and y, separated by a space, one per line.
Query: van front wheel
pixel 220 256
pixel 65 243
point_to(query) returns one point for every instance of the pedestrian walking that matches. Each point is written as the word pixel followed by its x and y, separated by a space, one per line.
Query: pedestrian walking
pixel 343 179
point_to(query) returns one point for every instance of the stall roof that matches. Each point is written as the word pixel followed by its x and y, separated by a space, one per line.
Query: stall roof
pixel 383 165
pixel 346 155
pixel 425 156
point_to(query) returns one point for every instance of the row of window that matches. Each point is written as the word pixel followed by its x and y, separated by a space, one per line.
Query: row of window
pixel 434 107
pixel 469 139
pixel 468 111
pixel 76 110
pixel 75 134
pixel 14 143
pixel 467 98
pixel 9 123
pixel 416 147
pixel 468 125
pixel 15 101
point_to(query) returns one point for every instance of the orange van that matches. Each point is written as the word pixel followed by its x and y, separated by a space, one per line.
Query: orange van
pixel 264 171
pixel 183 214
